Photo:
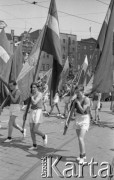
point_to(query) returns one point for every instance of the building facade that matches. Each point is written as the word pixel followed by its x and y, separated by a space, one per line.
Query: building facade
pixel 87 47
pixel 72 49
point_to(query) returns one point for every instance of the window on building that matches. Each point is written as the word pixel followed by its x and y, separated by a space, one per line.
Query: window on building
pixel 73 49
pixel 73 42
pixel 64 48
pixel 63 40
pixel 48 67
pixel 84 47
pixel 63 56
pixel 73 56
pixel 43 67
pixel 78 47
pixel 91 48
pixel 47 55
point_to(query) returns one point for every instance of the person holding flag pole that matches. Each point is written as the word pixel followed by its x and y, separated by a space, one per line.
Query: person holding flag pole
pixel 15 97
pixel 82 120
pixel 13 93
pixel 50 43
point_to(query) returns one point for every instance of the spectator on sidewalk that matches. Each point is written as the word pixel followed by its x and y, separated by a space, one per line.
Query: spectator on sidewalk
pixel 45 95
pixel 97 106
pixel 14 110
pixel 55 103
pixel 66 99
pixel 35 118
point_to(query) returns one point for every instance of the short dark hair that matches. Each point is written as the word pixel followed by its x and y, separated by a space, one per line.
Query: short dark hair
pixel 36 84
pixel 13 82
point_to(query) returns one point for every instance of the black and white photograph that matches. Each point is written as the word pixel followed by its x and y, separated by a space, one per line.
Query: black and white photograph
pixel 56 89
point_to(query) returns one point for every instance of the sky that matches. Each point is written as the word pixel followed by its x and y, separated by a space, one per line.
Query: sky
pixel 75 16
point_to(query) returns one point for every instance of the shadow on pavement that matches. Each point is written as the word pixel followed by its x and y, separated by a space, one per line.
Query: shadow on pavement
pixel 108 112
pixel 104 124
pixel 44 151
pixel 41 150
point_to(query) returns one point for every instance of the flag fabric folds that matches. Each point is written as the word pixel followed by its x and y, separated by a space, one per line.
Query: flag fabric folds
pixel 51 45
pixel 5 63
pixel 16 63
pixel 5 54
pixel 26 76
pixel 103 77
pixel 64 74
pixel 48 41
pixel 82 72
pixel 88 88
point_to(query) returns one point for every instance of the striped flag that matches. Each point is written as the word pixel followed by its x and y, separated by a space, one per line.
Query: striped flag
pixel 103 77
pixel 48 41
pixel 51 45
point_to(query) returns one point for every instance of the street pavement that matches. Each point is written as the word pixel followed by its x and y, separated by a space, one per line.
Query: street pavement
pixel 19 163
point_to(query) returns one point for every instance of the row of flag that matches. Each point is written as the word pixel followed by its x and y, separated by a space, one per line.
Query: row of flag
pixel 12 68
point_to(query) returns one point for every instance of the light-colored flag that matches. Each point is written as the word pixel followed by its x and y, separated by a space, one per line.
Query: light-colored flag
pixel 82 73
pixel 26 76
pixel 64 74
pixel 5 63
pixel 88 88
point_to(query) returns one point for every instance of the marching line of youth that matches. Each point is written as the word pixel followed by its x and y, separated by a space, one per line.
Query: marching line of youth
pixel 39 96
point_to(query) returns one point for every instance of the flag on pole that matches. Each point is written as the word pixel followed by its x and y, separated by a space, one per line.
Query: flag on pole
pixel 48 41
pixel 17 63
pixel 82 73
pixel 103 77
pixel 51 45
pixel 25 77
pixel 5 54
pixel 5 63
pixel 64 74
pixel 32 59
pixel 46 76
pixel 89 86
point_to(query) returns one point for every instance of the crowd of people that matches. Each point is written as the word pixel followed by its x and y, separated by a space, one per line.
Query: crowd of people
pixel 75 102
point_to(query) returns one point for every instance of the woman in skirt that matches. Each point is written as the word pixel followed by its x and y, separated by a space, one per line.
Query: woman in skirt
pixel 35 118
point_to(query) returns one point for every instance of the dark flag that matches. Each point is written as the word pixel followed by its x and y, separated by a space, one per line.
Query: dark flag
pixel 51 45
pixel 64 74
pixel 103 77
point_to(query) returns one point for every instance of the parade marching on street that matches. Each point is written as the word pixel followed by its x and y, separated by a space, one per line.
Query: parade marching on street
pixel 17 162
pixel 57 93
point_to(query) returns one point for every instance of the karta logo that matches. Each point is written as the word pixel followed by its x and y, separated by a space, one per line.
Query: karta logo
pixel 51 166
